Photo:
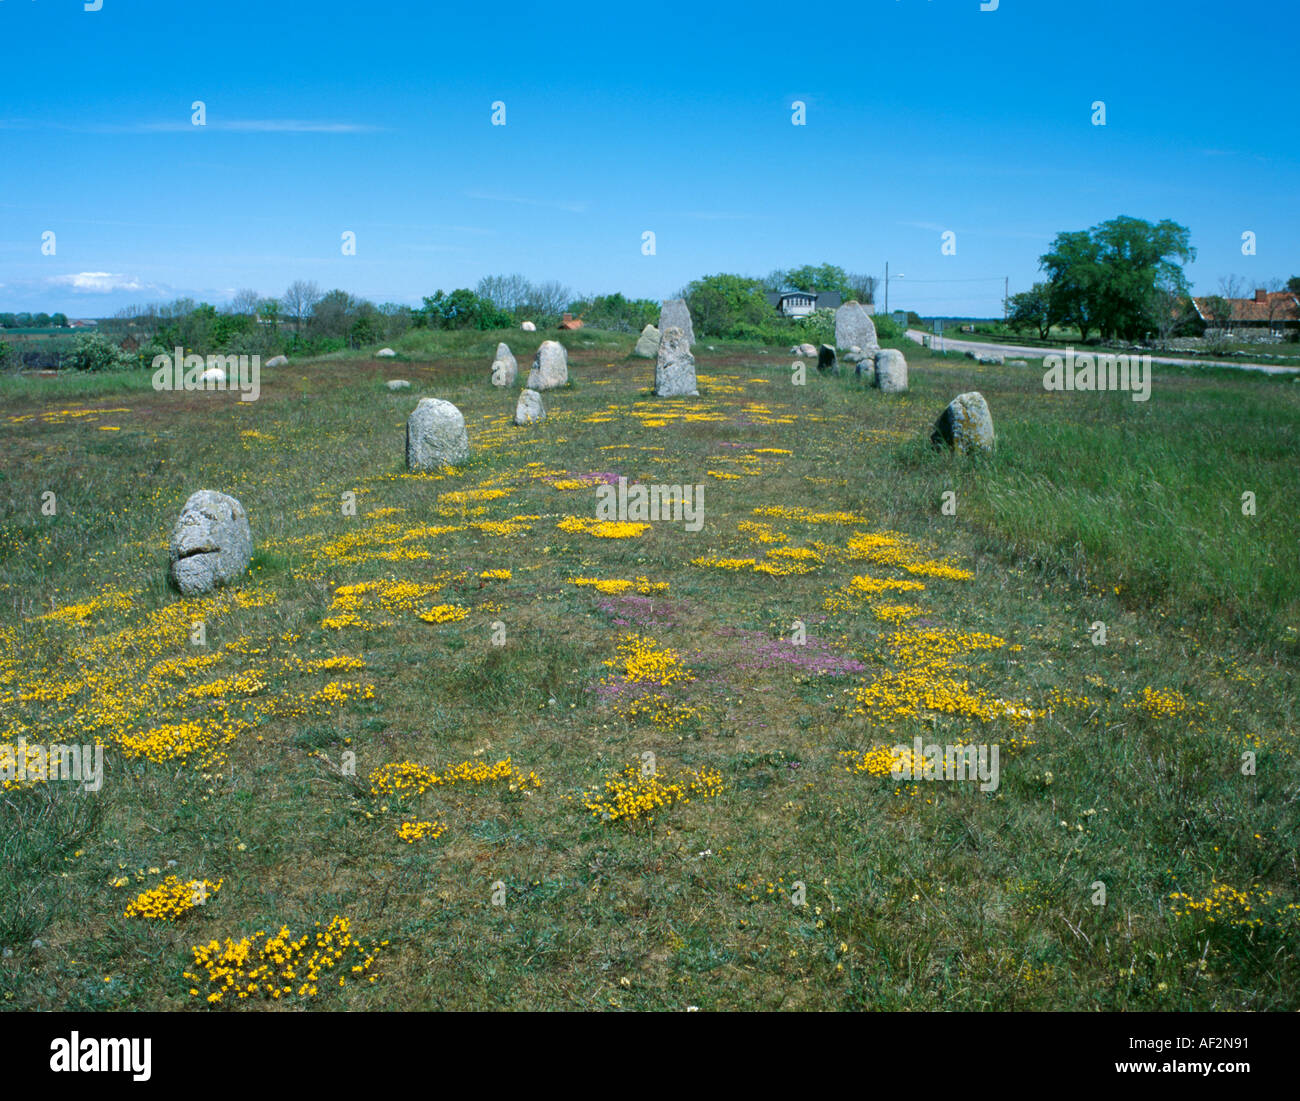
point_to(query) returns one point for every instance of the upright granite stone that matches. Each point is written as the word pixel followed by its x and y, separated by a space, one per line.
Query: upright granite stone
pixel 826 361
pixel 277 361
pixel 529 409
pixel 854 328
pixel 211 543
pixel 550 367
pixel 891 371
pixel 965 425
pixel 505 368
pixel 528 327
pixel 398 384
pixel 385 353
pixel 647 345
pixel 435 436
pixel 675 367
pixel 675 315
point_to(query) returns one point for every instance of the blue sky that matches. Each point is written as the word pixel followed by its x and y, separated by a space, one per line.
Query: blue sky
pixel 674 118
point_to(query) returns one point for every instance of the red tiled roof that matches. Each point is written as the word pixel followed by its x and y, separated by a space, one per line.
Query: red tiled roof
pixel 1280 305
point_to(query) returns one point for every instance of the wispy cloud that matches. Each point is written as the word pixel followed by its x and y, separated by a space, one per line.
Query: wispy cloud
pixel 984 231
pixel 577 207
pixel 173 126
pixel 100 282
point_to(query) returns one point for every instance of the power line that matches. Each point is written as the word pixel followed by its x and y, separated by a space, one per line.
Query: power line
pixel 979 279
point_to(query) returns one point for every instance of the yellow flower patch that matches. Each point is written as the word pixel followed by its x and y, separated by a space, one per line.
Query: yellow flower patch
pixel 602 529
pixel 255 967
pixel 444 613
pixel 411 832
pixel 404 778
pixel 615 586
pixel 642 660
pixel 633 794
pixel 172 898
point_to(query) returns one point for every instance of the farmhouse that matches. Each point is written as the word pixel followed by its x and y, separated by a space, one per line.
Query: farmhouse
pixel 1274 313
pixel 802 303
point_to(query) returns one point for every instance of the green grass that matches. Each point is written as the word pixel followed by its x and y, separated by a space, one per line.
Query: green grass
pixel 929 896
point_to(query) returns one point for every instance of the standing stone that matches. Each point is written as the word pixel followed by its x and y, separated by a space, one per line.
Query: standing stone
pixel 435 436
pixel 826 360
pixel 398 384
pixel 803 350
pixel 891 371
pixel 647 345
pixel 853 326
pixel 965 425
pixel 528 327
pixel 675 367
pixel 385 353
pixel 211 543
pixel 675 315
pixel 277 361
pixel 505 369
pixel 550 367
pixel 529 410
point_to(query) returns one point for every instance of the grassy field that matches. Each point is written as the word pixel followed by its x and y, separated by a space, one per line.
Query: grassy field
pixel 421 718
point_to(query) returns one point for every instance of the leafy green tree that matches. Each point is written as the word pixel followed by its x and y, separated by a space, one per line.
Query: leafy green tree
pixel 1031 309
pixel 59 320
pixel 1073 269
pixel 1117 275
pixel 333 315
pixel 819 279
pixel 724 305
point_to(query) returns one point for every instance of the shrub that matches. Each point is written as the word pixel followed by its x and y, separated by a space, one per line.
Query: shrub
pixel 463 309
pixel 887 328
pixel 91 352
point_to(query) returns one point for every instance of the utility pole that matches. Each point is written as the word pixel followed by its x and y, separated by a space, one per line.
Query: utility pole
pixel 886 288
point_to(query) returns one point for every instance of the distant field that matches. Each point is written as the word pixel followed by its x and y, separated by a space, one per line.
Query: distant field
pixel 375 634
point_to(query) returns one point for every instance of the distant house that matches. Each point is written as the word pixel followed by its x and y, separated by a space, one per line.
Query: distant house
pixel 571 322
pixel 1273 312
pixel 802 303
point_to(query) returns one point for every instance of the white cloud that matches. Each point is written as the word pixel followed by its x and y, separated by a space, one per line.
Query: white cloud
pixel 99 282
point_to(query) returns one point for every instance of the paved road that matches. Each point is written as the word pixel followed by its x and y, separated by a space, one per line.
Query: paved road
pixel 980 348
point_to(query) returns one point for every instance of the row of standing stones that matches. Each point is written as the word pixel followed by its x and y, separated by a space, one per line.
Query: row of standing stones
pixel 212 544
